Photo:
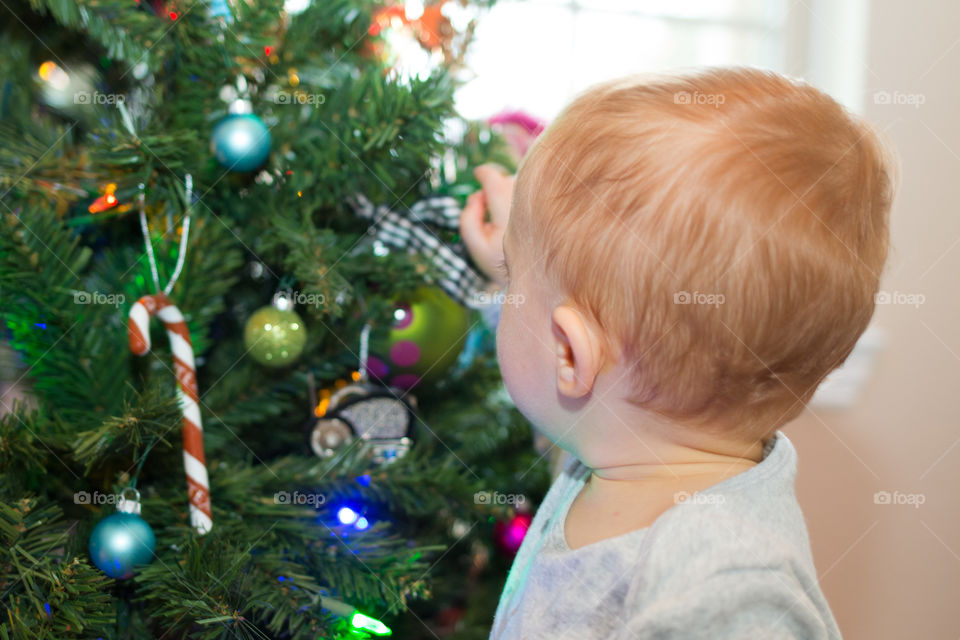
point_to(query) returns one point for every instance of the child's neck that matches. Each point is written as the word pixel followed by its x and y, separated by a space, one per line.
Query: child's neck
pixel 632 484
pixel 607 507
pixel 659 453
pixel 678 466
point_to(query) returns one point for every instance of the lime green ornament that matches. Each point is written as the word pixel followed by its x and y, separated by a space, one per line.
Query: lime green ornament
pixel 429 332
pixel 275 335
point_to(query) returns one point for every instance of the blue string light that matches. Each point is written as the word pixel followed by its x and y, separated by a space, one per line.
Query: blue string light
pixel 346 515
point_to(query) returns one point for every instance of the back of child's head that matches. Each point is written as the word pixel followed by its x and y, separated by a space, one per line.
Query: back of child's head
pixel 725 229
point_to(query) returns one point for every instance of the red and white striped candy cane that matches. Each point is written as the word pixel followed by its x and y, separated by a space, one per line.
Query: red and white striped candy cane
pixel 138 330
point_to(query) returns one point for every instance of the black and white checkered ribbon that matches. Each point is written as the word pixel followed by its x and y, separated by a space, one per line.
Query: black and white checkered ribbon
pixel 410 232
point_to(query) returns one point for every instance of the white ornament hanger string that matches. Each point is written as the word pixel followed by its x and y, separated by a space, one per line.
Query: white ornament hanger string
pixel 364 349
pixel 182 252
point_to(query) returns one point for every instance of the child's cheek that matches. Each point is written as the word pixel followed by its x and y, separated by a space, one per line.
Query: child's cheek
pixel 519 359
pixel 508 355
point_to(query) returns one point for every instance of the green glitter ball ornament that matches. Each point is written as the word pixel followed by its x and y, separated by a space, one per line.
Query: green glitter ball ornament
pixel 275 335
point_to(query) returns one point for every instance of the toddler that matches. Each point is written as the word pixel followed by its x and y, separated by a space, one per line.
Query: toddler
pixel 688 257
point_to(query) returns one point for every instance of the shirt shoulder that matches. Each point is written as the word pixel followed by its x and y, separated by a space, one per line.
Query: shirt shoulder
pixel 751 519
pixel 741 544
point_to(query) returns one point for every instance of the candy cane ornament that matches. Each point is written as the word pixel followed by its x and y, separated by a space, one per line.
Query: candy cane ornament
pixel 138 330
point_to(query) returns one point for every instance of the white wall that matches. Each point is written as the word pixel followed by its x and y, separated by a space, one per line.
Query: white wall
pixel 893 571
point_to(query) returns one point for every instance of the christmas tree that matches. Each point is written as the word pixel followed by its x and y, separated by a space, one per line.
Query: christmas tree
pixel 256 393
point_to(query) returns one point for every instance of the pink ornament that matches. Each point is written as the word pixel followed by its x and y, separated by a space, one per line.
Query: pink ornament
pixel 519 128
pixel 509 535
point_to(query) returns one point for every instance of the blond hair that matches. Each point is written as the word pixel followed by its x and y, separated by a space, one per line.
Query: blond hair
pixel 725 229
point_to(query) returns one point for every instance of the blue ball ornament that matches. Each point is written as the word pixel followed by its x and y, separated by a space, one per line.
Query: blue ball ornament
pixel 120 542
pixel 220 9
pixel 240 142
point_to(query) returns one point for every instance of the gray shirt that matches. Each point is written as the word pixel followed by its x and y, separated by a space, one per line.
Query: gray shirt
pixel 731 561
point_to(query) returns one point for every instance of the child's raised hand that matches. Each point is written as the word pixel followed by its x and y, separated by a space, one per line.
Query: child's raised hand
pixel 484 240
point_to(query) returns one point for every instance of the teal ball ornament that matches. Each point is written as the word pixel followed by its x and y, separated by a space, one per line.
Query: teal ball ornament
pixel 240 142
pixel 120 542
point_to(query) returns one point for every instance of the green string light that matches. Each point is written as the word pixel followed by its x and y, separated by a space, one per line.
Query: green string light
pixel 374 626
pixel 358 621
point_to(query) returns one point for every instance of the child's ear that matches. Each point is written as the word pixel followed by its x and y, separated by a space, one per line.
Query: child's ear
pixel 578 352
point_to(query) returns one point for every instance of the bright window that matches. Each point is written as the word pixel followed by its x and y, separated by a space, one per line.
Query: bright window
pixel 536 55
